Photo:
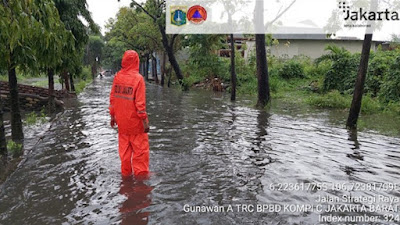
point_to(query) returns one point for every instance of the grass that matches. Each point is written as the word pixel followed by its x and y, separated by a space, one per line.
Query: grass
pixel 14 149
pixel 42 83
pixel 307 91
pixel 331 100
pixel 80 86
pixel 21 76
pixel 33 118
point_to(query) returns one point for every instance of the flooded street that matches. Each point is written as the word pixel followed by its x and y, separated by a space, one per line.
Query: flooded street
pixel 205 151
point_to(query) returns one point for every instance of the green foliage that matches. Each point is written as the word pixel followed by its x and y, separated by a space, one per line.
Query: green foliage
pixel 391 86
pixel 292 69
pixel 381 77
pixel 246 75
pixel 42 83
pixel 343 72
pixel 30 41
pixel 14 149
pixel 317 70
pixel 72 14
pixel 94 50
pixel 371 105
pixel 132 29
pixel 395 43
pixel 203 62
pixel 276 84
pixel 85 78
pixel 33 118
pixel 331 99
pixel 379 65
pixel 393 107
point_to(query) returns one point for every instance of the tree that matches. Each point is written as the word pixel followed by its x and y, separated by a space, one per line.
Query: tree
pixel 363 67
pixel 94 52
pixel 261 56
pixel 233 70
pixel 262 64
pixel 3 143
pixel 359 86
pixel 18 45
pixel 71 13
pixel 155 9
pixel 262 72
pixel 132 29
pixel 50 43
pixel 230 9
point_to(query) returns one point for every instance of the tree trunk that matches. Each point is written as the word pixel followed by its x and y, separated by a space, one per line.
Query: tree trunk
pixel 171 56
pixel 94 70
pixel 3 142
pixel 262 72
pixel 359 86
pixel 66 80
pixel 164 59
pixel 233 70
pixel 146 67
pixel 51 103
pixel 50 74
pixel 154 69
pixel 17 134
pixel 169 78
pixel 71 80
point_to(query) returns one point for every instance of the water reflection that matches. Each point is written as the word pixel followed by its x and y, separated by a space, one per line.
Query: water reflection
pixel 353 136
pixel 138 197
pixel 205 150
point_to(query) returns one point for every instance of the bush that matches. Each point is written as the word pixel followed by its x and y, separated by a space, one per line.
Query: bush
pixel 390 91
pixel 203 62
pixel 85 77
pixel 246 77
pixel 292 69
pixel 332 99
pixel 86 73
pixel 393 107
pixel 370 105
pixel 379 66
pixel 33 118
pixel 343 72
pixel 317 70
pixel 275 84
pixel 14 149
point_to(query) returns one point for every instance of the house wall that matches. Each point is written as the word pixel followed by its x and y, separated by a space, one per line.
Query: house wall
pixel 310 48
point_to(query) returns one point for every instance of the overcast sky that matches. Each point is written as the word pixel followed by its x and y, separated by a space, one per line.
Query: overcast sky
pixel 102 10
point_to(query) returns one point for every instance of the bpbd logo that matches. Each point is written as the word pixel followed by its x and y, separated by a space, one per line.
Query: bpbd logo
pixel 197 14
pixel 365 15
pixel 180 15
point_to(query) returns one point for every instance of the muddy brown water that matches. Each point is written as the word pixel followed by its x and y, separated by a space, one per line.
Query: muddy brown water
pixel 205 151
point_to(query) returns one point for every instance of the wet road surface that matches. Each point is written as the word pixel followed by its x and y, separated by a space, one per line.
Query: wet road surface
pixel 205 151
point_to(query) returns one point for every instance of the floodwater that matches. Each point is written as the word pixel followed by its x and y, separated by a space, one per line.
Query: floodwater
pixel 205 151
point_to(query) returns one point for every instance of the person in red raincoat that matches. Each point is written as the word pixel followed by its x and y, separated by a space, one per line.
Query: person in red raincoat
pixel 128 111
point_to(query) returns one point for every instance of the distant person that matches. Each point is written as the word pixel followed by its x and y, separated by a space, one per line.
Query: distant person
pixel 128 111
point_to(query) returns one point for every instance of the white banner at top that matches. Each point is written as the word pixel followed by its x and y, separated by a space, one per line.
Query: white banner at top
pixel 348 18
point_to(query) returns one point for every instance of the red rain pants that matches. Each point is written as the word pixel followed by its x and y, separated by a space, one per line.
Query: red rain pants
pixel 134 154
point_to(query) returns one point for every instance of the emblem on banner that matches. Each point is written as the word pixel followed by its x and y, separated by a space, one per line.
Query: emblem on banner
pixel 178 15
pixel 197 14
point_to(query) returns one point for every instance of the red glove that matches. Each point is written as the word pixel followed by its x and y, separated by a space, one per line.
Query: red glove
pixel 113 122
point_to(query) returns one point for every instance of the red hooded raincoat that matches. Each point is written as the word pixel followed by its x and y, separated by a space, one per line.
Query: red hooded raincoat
pixel 128 107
